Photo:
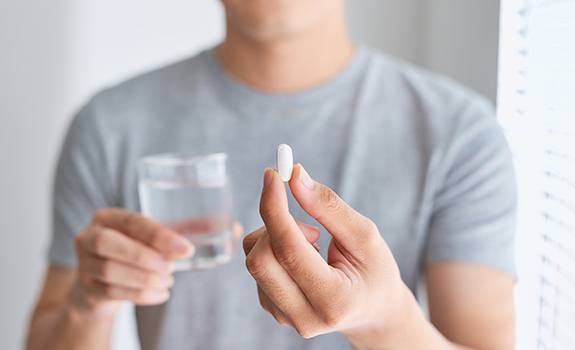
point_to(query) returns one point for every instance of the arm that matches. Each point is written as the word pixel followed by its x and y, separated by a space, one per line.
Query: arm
pixel 472 304
pixel 57 324
pixel 471 307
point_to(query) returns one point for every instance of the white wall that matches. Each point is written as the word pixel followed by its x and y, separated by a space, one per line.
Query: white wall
pixel 54 54
pixel 461 40
pixel 33 107
pixel 453 37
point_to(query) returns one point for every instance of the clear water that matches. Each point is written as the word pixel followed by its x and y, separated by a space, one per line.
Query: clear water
pixel 203 215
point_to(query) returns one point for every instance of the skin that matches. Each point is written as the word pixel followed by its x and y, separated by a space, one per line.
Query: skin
pixel 280 46
pixel 358 291
pixel 122 256
pixel 284 46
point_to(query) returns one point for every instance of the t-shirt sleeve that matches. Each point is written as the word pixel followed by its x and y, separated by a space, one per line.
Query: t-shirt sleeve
pixel 81 185
pixel 474 206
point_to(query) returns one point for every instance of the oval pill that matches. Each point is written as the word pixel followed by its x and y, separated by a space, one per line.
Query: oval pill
pixel 285 162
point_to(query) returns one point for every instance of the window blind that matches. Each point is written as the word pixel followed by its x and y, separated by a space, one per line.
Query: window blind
pixel 536 106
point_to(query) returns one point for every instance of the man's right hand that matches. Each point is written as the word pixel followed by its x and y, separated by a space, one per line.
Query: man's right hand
pixel 124 256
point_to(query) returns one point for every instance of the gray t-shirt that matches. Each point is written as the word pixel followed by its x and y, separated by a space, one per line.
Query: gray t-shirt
pixel 421 156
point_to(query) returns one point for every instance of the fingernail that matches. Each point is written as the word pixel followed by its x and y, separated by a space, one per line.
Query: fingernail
pixel 182 247
pixel 305 179
pixel 316 246
pixel 268 175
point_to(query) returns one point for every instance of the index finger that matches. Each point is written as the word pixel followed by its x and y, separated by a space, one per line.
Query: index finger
pixel 289 244
pixel 110 244
pixel 138 227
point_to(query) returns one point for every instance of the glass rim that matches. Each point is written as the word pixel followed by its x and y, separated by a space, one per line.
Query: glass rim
pixel 179 159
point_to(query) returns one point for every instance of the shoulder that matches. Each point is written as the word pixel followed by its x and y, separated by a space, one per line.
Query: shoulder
pixel 148 93
pixel 420 84
pixel 160 81
pixel 430 103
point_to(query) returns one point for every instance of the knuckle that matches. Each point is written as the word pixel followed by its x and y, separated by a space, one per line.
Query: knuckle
pixel 156 237
pixel 278 317
pixel 85 280
pixel 268 211
pixel 265 305
pixel 79 241
pixel 98 241
pixel 371 227
pixel 333 314
pixel 305 331
pixel 264 300
pixel 247 243
pixel 371 235
pixel 109 291
pixel 252 264
pixel 264 209
pixel 286 256
pixel 130 219
pixel 100 215
pixel 136 256
pixel 137 295
pixel 255 266
pixel 105 269
pixel 329 198
pixel 330 318
pixel 147 279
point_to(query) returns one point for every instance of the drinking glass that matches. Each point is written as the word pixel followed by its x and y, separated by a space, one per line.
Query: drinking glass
pixel 192 196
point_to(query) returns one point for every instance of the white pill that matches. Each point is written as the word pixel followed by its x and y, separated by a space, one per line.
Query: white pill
pixel 285 162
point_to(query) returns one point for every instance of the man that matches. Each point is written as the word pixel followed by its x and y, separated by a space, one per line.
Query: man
pixel 419 157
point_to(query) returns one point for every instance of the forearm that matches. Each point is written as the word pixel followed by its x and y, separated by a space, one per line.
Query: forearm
pixel 413 332
pixel 66 327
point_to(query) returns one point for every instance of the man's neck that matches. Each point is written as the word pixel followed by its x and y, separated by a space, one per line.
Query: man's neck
pixel 291 64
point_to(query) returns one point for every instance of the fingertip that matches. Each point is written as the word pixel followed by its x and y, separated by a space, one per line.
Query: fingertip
pixel 309 227
pixel 182 248
pixel 159 263
pixel 151 297
pixel 172 281
pixel 269 174
pixel 162 297
pixel 171 266
pixel 295 175
pixel 302 187
pixel 250 239
pixel 301 179
pixel 238 230
pixel 312 233
pixel 274 196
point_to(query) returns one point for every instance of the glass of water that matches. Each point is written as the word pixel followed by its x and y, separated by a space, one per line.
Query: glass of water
pixel 192 196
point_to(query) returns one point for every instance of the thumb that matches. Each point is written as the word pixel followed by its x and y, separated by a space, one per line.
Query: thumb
pixel 350 229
